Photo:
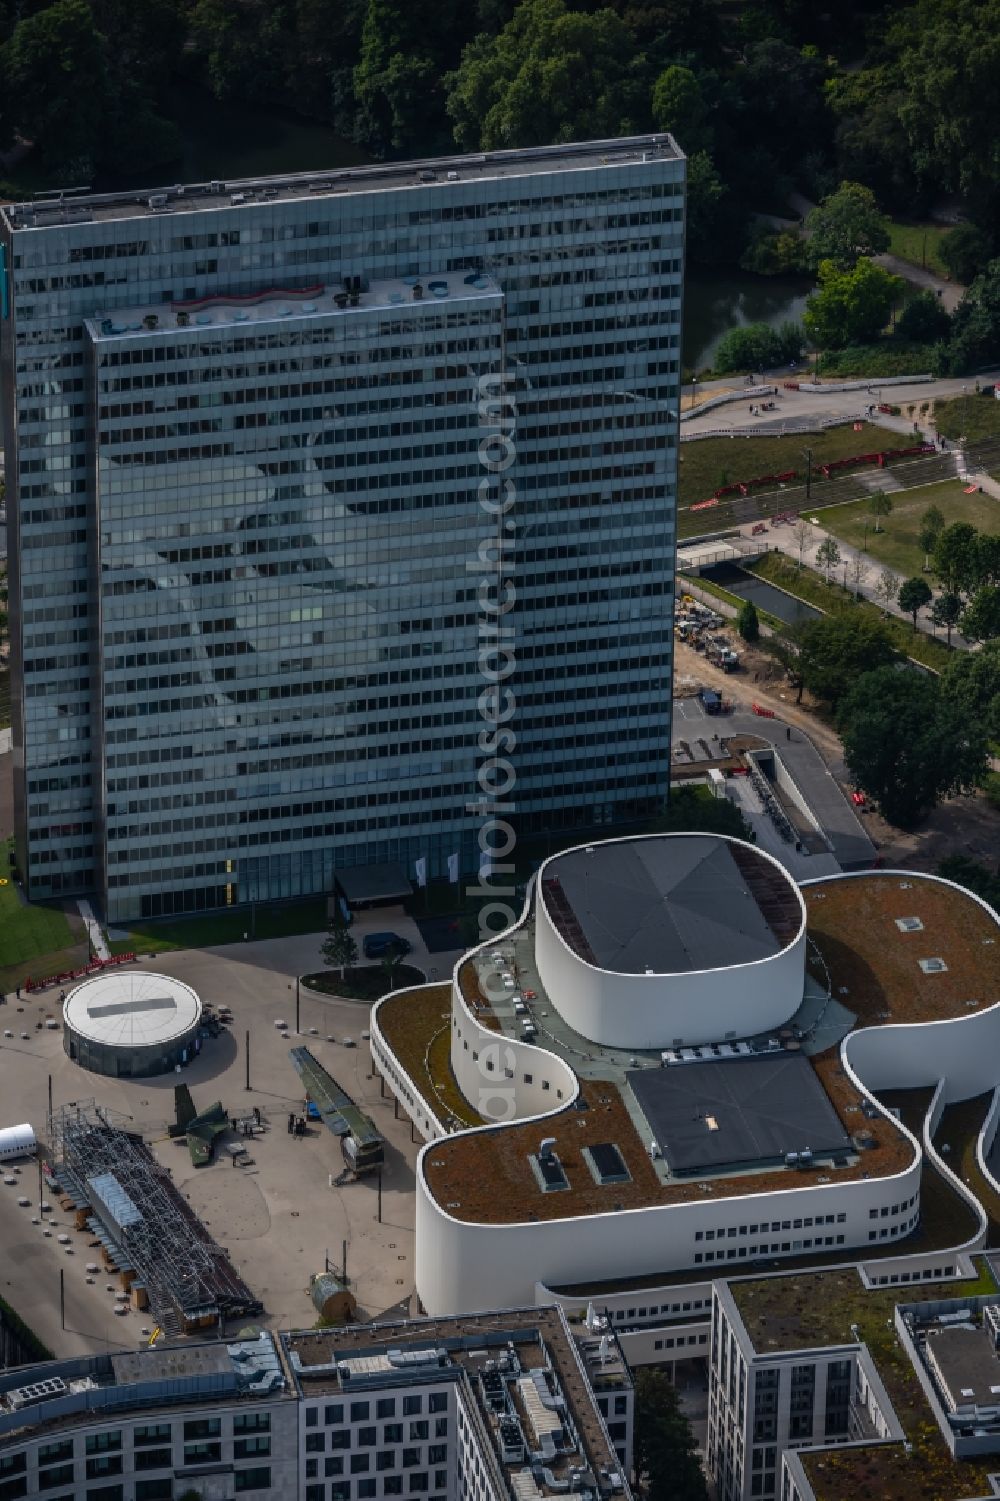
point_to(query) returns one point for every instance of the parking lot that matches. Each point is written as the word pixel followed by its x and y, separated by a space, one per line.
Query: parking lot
pixel 279 1218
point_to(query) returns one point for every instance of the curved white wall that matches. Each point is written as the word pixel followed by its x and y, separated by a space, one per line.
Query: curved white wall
pixel 668 1010
pixel 503 1078
pixel 469 1266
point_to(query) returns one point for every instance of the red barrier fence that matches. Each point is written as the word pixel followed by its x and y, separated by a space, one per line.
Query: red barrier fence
pixel 881 458
pixel 92 968
pixel 761 712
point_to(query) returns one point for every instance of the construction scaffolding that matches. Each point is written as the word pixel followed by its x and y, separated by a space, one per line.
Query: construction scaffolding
pixel 148 1229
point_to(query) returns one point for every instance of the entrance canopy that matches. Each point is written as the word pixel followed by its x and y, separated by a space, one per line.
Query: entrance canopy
pixel 374 883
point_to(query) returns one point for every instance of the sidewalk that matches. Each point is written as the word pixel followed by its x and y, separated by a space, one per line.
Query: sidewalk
pixel 785 543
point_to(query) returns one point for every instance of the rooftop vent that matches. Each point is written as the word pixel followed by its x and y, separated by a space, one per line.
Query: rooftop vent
pixel 909 924
pixel 933 966
pixel 606 1163
pixel 549 1173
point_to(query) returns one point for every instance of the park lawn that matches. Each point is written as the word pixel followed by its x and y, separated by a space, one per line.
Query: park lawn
pixel 211 929
pixel 35 940
pixel 919 244
pixel 969 417
pixel 896 545
pixel 811 586
pixel 708 463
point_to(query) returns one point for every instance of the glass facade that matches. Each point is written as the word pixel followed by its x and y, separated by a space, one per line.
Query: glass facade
pixel 245 468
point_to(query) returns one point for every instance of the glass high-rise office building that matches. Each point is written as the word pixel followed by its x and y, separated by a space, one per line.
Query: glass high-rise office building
pixel 275 450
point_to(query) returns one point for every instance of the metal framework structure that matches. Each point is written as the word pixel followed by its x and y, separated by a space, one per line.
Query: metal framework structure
pixel 189 1279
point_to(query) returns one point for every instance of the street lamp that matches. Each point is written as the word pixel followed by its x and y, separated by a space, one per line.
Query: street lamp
pixel 807 454
pixel 694 391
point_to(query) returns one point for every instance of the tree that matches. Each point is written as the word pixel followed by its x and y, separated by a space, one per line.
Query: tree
pixel 339 949
pixel 986 556
pixel 913 595
pixel 973 876
pixel 906 746
pixel 965 250
pixel 850 307
pixel 57 86
pixel 707 208
pixel 886 586
pixel 857 572
pixel 552 74
pixel 975 326
pixel 981 618
pixel 688 812
pixel 846 226
pixel 680 107
pixel 746 621
pixel 836 649
pixel 945 611
pixel 932 524
pixel 758 346
pixel 828 556
pixel 804 536
pixel 666 1455
pixel 954 557
pixel 879 505
pixel 923 320
pixel 971 681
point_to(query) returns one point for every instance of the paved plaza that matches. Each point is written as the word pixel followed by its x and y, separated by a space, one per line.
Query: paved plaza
pixel 280 1218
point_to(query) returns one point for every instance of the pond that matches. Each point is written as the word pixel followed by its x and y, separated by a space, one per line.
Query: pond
pixel 717 300
pixel 764 595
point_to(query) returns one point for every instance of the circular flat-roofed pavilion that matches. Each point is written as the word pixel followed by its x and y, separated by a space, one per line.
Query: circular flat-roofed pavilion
pixel 131 1023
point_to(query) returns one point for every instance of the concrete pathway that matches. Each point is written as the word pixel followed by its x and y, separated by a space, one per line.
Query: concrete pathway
pixel 797 407
pixel 93 928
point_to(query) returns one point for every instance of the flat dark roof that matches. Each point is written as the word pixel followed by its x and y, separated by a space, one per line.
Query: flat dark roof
pixel 737 1111
pixel 670 905
pixel 967 1365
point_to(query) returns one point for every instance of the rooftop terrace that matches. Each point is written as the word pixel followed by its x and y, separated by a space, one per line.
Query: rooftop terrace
pixel 290 305
pixel 80 206
pixel 874 964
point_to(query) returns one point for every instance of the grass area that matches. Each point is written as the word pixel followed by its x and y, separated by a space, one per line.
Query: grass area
pixel 364 982
pixel 969 417
pixel 416 1025
pixel 878 361
pixel 34 940
pixel 959 1129
pixel 810 586
pixel 708 463
pixel 919 244
pixel 800 1312
pixel 897 545
pixel 209 929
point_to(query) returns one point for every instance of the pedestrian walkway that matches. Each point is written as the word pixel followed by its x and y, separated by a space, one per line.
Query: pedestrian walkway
pixel 93 928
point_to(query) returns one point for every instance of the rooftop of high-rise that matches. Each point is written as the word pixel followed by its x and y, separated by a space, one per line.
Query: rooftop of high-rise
pixel 78 205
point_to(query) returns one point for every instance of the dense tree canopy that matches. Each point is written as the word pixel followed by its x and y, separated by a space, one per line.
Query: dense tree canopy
pixel 971 681
pixel 836 649
pixel 850 307
pixel 906 745
pixel 846 226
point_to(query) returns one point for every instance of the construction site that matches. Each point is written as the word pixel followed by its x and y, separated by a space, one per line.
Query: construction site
pixel 144 1231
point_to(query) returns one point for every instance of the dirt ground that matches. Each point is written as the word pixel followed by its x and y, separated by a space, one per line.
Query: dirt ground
pixel 960 826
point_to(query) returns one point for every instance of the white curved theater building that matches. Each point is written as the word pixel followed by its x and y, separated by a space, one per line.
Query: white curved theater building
pixel 666 1071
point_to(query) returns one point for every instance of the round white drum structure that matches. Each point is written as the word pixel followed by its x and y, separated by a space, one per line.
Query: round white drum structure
pixel 131 1023
pixel 670 940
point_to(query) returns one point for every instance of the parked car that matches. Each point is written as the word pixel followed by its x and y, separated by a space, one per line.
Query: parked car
pixel 378 945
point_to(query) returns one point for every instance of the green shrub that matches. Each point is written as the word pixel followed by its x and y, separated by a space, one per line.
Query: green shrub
pixel 965 250
pixel 757 346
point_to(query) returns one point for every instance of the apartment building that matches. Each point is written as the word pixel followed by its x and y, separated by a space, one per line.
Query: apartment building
pixel 291 465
